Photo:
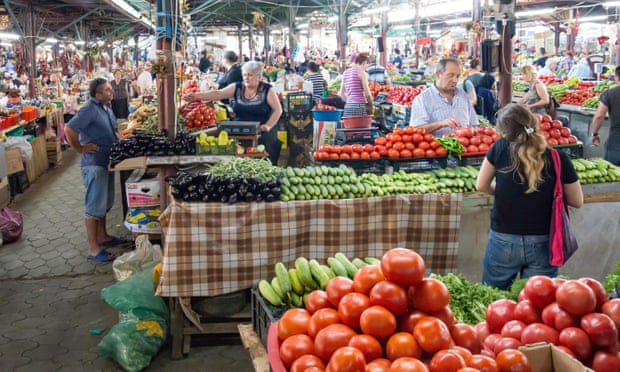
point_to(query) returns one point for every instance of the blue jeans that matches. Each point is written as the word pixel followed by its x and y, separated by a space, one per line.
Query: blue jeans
pixel 508 255
pixel 99 184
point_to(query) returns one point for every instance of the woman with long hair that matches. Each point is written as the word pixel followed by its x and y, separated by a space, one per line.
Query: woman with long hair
pixel 518 170
pixel 537 98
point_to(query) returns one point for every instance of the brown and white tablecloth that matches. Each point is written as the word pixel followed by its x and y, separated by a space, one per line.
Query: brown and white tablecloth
pixel 212 248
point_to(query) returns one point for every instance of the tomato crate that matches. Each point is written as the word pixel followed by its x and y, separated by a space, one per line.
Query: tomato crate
pixel 360 166
pixel 474 159
pixel 263 314
pixel 419 164
pixel 574 151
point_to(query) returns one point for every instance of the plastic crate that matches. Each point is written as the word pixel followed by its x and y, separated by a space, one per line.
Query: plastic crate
pixel 299 102
pixel 473 160
pixel 263 314
pixel 420 164
pixel 574 151
pixel 360 166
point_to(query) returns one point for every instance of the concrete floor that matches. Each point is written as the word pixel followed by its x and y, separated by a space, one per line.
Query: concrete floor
pixel 50 294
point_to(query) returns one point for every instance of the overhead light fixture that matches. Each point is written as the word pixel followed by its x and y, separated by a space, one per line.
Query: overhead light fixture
pixel 593 18
pixel 80 42
pixel 401 27
pixel 51 40
pixel 533 12
pixel 376 10
pixel 445 8
pixel 9 36
pixel 458 20
pixel 302 25
pixel 610 4
pixel 123 5
pixel 332 19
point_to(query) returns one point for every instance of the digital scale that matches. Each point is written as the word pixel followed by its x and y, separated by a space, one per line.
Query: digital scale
pixel 240 128
pixel 356 135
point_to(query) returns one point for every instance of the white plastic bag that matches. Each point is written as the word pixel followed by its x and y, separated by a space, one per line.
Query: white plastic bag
pixel 146 255
pixel 22 144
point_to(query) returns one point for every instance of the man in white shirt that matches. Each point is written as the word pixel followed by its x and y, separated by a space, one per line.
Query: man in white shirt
pixel 145 80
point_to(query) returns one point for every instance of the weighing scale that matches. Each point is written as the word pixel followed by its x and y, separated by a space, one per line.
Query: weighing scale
pixel 240 128
pixel 356 135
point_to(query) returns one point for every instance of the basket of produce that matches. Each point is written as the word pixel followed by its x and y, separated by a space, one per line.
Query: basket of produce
pixel 357 121
pixel 211 145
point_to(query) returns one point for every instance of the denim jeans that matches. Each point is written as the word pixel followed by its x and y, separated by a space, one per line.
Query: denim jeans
pixel 99 184
pixel 508 255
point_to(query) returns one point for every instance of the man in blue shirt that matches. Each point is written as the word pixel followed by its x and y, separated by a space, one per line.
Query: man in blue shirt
pixel 442 108
pixel 92 132
pixel 398 60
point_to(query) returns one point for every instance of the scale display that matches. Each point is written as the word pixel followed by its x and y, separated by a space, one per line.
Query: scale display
pixel 356 135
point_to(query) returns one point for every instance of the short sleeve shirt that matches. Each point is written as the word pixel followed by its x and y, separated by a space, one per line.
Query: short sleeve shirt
pixel 95 124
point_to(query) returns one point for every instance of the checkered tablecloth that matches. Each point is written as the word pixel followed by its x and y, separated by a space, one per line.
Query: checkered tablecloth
pixel 212 249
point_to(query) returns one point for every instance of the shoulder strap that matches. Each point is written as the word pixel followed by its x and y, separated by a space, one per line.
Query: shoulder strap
pixel 555 156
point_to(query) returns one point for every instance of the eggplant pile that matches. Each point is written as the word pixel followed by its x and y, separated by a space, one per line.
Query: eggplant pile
pixel 147 144
pixel 222 189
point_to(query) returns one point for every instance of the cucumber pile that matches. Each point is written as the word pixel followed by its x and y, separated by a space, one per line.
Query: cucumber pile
pixel 321 182
pixel 596 171
pixel 289 287
pixel 448 180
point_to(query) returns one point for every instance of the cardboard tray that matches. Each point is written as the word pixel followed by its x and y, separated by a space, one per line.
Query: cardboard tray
pixel 545 357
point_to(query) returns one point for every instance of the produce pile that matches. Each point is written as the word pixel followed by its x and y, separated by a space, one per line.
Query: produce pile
pixel 387 316
pixel 557 90
pixel 146 144
pixel 603 86
pixel 144 118
pixel 376 88
pixel 519 86
pixel 404 95
pixel 554 131
pixel 591 103
pixel 596 171
pixel 449 180
pixel 577 97
pixel 346 152
pixel 197 115
pixel 211 145
pixel 409 143
pixel 476 140
pixel 321 182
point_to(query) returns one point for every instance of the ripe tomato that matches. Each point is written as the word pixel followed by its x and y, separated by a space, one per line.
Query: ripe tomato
pixel 369 148
pixel 393 154
pixel 556 124
pixel 611 308
pixel 540 290
pixel 554 316
pixel 418 153
pixel 334 156
pixel 403 266
pixel 355 155
pixel 490 341
pixel 356 147
pixel 407 322
pixel 440 151
pixel 511 360
pixel 347 359
pixel 483 363
pixel 434 144
pixel 399 146
pixel 405 154
pixel 406 138
pixel 430 295
pixel 316 300
pixel 408 364
pixel 417 138
pixel 402 344
pixel 375 155
pixel 330 338
pixel 572 139
pixel 555 133
pixel 576 297
pixel 378 322
pixel 601 329
pixel 409 130
pixel 429 138
pixel 475 140
pixel 294 347
pixel 336 149
pixel 526 312
pixel 350 308
pixel 423 145
pixel 366 277
pixel 306 361
pixel 293 322
pixel 446 315
pixel 389 295
pixel 599 291
pixel 465 336
pixel 365 155
pixel 605 361
pixel 346 149
pixel 380 141
pixel 326 148
pixel 498 313
pixel 321 319
pixel 463 352
pixel 537 332
pixel 446 361
pixel 577 340
pixel 337 288
pixel 513 328
pixel 482 331
pixel 345 156
pixel 430 153
pixel 565 132
pixel 506 343
pixel 379 365
pixel 368 345
pixel 432 334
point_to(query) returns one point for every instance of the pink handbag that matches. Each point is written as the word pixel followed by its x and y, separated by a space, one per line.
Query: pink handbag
pixel 562 242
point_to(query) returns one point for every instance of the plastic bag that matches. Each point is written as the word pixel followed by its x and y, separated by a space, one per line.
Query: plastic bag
pixel 142 328
pixel 22 144
pixel 146 255
pixel 11 224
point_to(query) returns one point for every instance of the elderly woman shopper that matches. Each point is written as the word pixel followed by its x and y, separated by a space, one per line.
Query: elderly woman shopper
pixel 355 90
pixel 251 100
pixel 120 102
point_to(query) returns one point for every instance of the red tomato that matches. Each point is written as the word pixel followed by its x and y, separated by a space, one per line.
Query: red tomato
pixel 473 149
pixel 347 359
pixel 577 341
pixel 407 138
pixel 562 141
pixel 379 365
pixel 572 139
pixel 555 133
pixel 366 277
pixel 547 118
pixel 430 153
pixel 490 341
pixel 380 141
pixel 554 316
pixel 375 155
pixel 465 336
pixel 402 344
pixel 350 308
pixel 407 322
pixel 440 151
pixel 347 149
pixel 417 138
pixel 506 343
pixel 552 141
pixel 463 352
pixel 467 369
pixel 430 295
pixel 406 154
pixel 294 347
pixel 389 295
pixel 513 328
pixel 316 300
pixel 432 334
pixel 526 312
pixel 599 291
pixel 537 332
pixel 464 141
pixel 475 140
pixel 545 126
pixel 321 319
pixel 611 308
pixel 409 130
pixel 483 363
pixel 467 132
pixel 399 146
pixel 565 132
pixel 345 156
pixel 336 149
pixel 600 328
pixel 337 288
pixel 556 124
pixel 498 313
pixel 334 156
pixel 293 322
pixel 482 331
pixel 605 361
pixel 511 360
pixel 446 361
pixel 576 297
pixel 369 148
pixel 446 316
pixel 403 266
pixel 434 144
pixel 540 290
pixel 356 147
pixel 330 338
pixel 306 361
pixel 407 364
pixel 418 153
pixel 378 321
pixel 393 154
pixel 368 345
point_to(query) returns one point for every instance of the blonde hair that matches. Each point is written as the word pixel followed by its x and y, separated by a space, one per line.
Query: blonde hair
pixel 529 72
pixel 526 145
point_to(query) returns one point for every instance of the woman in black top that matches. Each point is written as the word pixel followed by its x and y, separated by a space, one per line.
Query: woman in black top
pixel 233 71
pixel 518 171
pixel 120 102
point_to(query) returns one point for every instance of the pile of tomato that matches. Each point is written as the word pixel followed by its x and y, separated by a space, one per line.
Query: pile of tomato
pixel 554 131
pixel 409 142
pixel 577 97
pixel 404 95
pixel 574 315
pixel 376 88
pixel 476 140
pixel 201 116
pixel 190 87
pixel 388 318
pixel 322 107
pixel 347 152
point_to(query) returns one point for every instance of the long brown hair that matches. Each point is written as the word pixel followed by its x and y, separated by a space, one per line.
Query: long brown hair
pixel 526 145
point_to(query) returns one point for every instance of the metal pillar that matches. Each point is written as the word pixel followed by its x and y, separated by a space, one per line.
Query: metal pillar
pixel 416 46
pixel 342 32
pixel 505 74
pixel 476 19
pixel 30 51
pixel 383 36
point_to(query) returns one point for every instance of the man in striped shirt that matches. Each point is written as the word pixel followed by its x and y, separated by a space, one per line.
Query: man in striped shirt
pixel 443 107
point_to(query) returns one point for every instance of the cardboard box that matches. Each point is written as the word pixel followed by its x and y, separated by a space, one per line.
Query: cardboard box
pixel 14 162
pixel 143 220
pixel 545 357
pixel 142 192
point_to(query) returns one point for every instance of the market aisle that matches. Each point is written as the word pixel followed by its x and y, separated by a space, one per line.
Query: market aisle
pixel 50 293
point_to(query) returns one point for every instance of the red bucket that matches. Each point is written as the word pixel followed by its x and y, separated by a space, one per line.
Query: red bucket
pixel 357 121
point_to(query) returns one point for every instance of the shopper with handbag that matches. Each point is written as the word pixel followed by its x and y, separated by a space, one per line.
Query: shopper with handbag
pixel 518 170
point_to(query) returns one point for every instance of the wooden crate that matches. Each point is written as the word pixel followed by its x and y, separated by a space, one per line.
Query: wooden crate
pixel 54 153
pixel 37 165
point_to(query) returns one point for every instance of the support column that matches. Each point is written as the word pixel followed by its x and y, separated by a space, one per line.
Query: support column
pixel 416 46
pixel 383 36
pixel 477 20
pixel 240 39
pixel 30 51
pixel 342 33
pixel 617 44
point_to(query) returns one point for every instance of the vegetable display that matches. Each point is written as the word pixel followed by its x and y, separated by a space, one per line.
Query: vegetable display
pixel 475 140
pixel 145 144
pixel 459 179
pixel 409 142
pixel 404 95
pixel 603 86
pixel 321 182
pixel 554 131
pixel 576 98
pixel 596 171
pixel 200 117
pixel 591 103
